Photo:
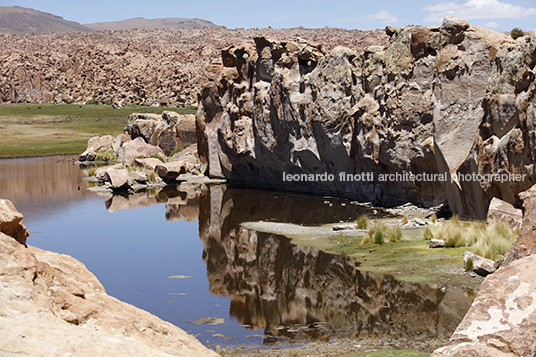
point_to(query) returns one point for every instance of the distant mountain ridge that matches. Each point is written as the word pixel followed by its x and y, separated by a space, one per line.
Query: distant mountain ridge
pixel 22 20
pixel 143 23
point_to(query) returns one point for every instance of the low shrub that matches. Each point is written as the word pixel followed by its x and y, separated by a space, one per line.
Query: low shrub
pixel 378 236
pixel 517 33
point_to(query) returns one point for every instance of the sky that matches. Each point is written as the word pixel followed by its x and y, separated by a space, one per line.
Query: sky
pixel 499 15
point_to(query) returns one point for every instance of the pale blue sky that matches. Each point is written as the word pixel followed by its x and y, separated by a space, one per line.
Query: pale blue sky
pixel 501 15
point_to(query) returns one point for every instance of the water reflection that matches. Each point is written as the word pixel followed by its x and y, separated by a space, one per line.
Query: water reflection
pixel 182 201
pixel 29 182
pixel 302 293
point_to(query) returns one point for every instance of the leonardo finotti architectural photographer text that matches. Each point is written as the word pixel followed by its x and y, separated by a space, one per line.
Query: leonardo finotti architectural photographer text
pixel 403 176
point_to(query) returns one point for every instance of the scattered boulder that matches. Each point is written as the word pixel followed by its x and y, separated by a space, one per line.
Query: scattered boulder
pixel 500 210
pixel 149 163
pixel 96 144
pixel 171 170
pixel 481 265
pixel 345 227
pixel 419 221
pixel 437 243
pixel 502 318
pixel 117 178
pixel 11 222
pixel 138 147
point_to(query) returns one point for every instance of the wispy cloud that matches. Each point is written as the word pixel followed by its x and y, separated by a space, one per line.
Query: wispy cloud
pixel 384 16
pixel 492 25
pixel 281 18
pixel 477 9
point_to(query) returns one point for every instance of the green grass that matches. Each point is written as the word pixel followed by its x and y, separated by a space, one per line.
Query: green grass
pixel 389 353
pixel 48 129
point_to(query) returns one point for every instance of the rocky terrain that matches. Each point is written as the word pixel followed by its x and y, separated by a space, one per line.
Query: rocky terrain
pixel 51 305
pixel 453 101
pixel 148 67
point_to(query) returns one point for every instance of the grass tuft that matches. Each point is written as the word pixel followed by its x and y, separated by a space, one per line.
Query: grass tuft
pixel 105 155
pixel 362 222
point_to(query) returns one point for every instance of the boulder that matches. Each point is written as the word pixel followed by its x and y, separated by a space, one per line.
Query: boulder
pixel 345 227
pixel 171 170
pixel 502 319
pixel 117 178
pixel 51 305
pixel 100 173
pixel 11 222
pixel 454 25
pixel 500 210
pixel 437 243
pixel 481 265
pixel 139 148
pixel 149 163
pixel 96 144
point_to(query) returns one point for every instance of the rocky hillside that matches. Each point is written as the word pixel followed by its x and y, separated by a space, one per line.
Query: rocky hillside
pixel 149 67
pixel 452 102
pixel 21 20
pixel 142 23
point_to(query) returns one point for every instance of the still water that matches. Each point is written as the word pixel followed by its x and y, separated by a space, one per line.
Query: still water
pixel 182 255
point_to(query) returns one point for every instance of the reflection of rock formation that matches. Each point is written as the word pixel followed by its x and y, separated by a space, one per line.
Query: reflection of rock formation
pixel 300 291
pixel 182 202
pixel 30 181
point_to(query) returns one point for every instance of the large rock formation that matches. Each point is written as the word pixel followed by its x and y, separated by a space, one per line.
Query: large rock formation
pixel 450 101
pixel 51 305
pixel 146 67
pixel 300 292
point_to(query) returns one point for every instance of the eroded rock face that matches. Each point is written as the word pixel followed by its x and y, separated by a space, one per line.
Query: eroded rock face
pixel 452 100
pixel 51 305
pixel 11 222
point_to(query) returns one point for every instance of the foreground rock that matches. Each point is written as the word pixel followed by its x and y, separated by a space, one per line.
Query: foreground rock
pixel 502 319
pixel 448 101
pixel 11 222
pixel 51 305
